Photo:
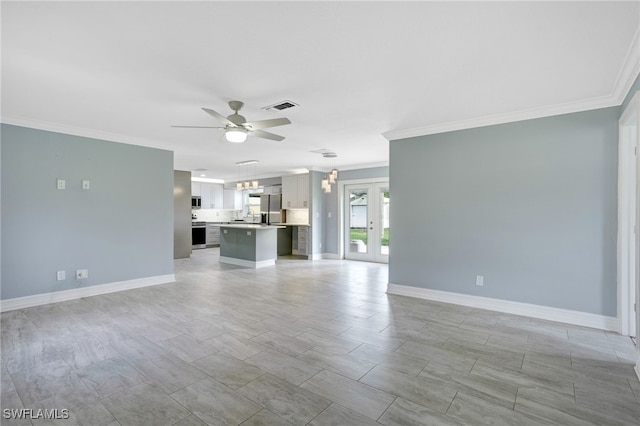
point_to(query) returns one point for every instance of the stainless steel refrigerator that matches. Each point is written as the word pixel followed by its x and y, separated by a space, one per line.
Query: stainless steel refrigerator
pixel 270 208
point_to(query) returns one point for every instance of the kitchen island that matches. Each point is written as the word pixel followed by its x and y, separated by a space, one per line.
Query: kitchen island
pixel 251 245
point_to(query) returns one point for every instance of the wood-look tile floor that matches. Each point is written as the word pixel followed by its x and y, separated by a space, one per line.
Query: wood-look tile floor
pixel 306 343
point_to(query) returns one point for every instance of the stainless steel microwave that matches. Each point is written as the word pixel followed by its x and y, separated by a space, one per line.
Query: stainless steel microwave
pixel 196 202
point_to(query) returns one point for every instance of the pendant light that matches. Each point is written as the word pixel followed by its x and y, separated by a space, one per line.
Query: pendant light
pixel 332 176
pixel 247 184
pixel 254 182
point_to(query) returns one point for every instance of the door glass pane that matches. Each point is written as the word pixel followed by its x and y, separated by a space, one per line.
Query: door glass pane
pixel 358 217
pixel 384 221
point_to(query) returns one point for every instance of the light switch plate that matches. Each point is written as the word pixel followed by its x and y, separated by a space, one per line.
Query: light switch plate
pixel 61 184
pixel 86 184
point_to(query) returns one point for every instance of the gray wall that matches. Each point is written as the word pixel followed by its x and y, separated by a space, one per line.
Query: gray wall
pixel 121 229
pixel 368 173
pixel 531 206
pixel 182 244
pixel 316 216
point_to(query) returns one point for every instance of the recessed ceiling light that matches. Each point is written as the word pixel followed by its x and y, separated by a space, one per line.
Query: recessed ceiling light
pixel 298 171
pixel 321 151
pixel 206 180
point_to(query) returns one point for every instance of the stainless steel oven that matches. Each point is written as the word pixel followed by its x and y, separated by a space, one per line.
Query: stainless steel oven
pixel 198 235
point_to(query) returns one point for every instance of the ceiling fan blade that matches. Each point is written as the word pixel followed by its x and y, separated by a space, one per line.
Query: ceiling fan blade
pixel 267 135
pixel 221 118
pixel 199 127
pixel 263 124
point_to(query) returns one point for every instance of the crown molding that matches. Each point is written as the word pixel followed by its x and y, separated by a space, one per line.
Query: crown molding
pixel 629 71
pixel 625 79
pixel 78 131
pixel 352 166
pixel 491 120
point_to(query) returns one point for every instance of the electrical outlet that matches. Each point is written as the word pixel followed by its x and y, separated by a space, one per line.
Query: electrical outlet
pixel 60 184
pixel 61 275
pixel 82 274
pixel 479 280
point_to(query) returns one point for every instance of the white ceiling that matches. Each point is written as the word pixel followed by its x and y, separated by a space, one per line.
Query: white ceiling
pixel 128 71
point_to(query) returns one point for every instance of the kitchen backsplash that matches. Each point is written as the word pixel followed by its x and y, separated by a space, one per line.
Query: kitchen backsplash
pixel 223 215
pixel 216 215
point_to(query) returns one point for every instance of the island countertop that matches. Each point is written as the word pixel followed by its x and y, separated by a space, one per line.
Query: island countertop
pixel 251 226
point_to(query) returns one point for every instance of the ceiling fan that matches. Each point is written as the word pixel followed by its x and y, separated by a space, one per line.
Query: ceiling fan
pixel 236 128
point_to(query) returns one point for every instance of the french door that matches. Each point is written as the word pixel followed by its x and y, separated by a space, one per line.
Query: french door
pixel 366 222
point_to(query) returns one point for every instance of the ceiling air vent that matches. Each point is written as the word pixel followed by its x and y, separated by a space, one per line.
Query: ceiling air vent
pixel 280 106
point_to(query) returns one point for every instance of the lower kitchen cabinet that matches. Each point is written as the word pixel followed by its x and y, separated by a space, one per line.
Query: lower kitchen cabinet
pixel 213 235
pixel 293 239
pixel 299 240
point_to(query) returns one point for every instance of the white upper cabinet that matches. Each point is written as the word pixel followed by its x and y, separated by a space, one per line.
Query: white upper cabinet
pixel 289 192
pixel 232 199
pixel 303 191
pixel 196 189
pixel 210 193
pixel 295 192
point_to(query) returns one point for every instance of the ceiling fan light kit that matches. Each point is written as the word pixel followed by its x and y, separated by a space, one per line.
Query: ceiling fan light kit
pixel 236 135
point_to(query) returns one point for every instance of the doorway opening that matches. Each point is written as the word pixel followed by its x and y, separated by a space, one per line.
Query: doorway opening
pixel 366 221
pixel 628 219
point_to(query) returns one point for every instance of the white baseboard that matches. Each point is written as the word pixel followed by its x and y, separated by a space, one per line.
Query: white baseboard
pixel 78 293
pixel 333 256
pixel 548 313
pixel 247 263
pixel 319 256
pixel 637 367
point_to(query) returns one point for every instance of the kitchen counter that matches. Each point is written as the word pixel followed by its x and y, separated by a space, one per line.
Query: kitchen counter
pixel 249 244
pixel 291 224
pixel 251 226
pixel 218 222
